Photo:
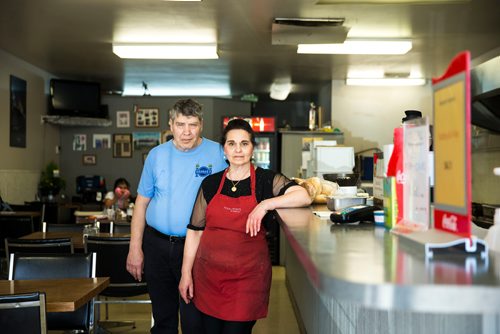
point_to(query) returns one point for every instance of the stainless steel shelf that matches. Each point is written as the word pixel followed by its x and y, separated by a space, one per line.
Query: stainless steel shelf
pixel 75 121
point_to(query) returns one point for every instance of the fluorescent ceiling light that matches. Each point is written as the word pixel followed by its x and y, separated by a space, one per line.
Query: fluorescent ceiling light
pixel 380 47
pixel 176 91
pixel 166 51
pixel 385 81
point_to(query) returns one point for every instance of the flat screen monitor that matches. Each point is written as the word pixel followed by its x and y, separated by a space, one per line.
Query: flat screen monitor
pixel 75 98
pixel 90 183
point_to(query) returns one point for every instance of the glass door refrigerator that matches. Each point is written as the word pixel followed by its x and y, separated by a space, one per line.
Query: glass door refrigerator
pixel 266 151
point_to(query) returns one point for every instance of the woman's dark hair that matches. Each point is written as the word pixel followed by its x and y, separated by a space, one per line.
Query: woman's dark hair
pixel 120 181
pixel 238 124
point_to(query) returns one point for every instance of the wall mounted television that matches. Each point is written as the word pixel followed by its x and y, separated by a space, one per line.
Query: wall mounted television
pixel 75 98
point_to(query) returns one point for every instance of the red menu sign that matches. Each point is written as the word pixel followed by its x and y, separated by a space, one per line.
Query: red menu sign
pixel 452 140
pixel 258 124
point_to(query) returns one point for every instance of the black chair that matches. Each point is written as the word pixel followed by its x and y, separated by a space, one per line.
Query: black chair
pixel 111 262
pixel 45 246
pixel 23 313
pixel 15 227
pixel 119 227
pixel 47 266
pixel 46 227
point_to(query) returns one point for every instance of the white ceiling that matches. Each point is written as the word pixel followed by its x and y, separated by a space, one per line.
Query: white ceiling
pixel 73 39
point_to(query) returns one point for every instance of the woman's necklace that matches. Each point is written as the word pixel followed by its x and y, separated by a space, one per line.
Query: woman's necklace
pixel 233 188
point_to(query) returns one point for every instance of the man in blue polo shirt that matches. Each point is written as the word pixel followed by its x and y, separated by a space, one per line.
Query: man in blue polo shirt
pixel 169 183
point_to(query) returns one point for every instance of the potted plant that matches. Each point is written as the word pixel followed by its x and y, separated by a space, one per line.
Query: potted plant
pixel 50 183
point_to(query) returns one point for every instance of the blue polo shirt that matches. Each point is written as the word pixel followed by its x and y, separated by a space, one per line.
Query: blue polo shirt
pixel 171 179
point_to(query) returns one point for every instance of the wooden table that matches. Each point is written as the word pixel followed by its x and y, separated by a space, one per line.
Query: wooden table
pixel 62 295
pixel 31 214
pixel 76 237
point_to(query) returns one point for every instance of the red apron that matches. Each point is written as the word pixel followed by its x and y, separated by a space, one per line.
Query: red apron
pixel 232 271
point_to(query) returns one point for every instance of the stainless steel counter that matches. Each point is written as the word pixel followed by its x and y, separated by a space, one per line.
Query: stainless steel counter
pixel 370 267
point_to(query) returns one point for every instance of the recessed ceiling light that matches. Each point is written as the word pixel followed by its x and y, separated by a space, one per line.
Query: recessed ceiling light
pixel 392 2
pixel 166 51
pixel 354 46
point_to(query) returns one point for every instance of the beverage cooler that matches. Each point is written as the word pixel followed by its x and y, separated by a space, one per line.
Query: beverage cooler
pixel 265 153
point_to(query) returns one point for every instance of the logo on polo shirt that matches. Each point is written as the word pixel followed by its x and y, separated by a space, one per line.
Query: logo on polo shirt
pixel 202 171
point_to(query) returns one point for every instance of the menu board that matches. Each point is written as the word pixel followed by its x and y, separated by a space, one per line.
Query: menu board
pixel 258 124
pixel 452 131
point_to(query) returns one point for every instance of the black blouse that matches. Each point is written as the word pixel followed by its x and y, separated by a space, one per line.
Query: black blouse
pixel 268 184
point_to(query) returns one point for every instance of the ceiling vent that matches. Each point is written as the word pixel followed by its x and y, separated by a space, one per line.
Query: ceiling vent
pixel 293 31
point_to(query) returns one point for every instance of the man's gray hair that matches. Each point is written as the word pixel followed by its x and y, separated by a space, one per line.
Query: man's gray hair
pixel 186 107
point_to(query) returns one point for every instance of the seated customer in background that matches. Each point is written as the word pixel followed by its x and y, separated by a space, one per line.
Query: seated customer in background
pixel 119 196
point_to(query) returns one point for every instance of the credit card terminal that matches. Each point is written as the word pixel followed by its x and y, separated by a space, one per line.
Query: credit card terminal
pixel 353 214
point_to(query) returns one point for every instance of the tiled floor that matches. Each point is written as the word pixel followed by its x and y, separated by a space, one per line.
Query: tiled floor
pixel 281 318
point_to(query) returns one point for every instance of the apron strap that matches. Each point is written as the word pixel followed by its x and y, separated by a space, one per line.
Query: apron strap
pixel 252 179
pixel 222 181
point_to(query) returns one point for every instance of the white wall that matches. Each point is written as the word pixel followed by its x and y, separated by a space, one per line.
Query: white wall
pixel 368 115
pixel 20 168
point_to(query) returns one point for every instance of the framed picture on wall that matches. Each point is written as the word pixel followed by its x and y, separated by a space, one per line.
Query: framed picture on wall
pixel 122 145
pixel 123 119
pixel 145 140
pixel 89 159
pixel 18 112
pixel 147 117
pixel 101 141
pixel 79 142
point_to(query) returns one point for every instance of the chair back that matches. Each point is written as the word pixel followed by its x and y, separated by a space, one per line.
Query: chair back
pixel 14 227
pixel 112 255
pixel 62 227
pixel 56 245
pixel 47 266
pixel 23 313
pixel 119 228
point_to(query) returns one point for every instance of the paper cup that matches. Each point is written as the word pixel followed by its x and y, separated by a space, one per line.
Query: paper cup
pixel 378 216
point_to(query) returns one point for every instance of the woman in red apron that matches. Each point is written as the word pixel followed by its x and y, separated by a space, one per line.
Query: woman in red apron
pixel 226 268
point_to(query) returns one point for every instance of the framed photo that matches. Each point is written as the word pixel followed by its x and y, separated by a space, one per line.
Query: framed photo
pixel 101 141
pixel 80 142
pixel 89 159
pixel 166 135
pixel 122 145
pixel 145 140
pixel 147 118
pixel 123 119
pixel 17 112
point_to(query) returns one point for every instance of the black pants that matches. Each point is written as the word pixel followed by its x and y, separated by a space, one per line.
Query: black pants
pixel 217 326
pixel 162 267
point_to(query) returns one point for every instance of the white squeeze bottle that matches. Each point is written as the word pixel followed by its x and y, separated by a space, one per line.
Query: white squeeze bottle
pixel 493 236
pixel 312 116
